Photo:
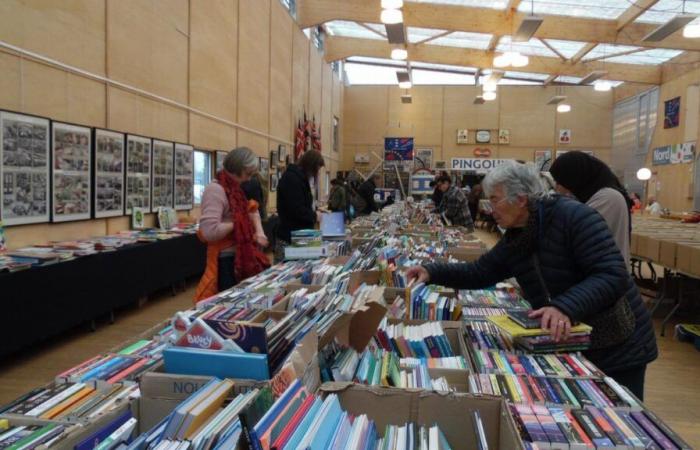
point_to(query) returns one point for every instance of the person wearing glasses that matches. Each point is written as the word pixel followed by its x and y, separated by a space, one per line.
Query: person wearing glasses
pixel 565 259
pixel 230 225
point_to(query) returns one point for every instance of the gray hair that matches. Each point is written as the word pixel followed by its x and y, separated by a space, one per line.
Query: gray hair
pixel 239 159
pixel 516 179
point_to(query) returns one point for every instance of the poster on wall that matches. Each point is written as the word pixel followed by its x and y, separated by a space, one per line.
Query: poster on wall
pixel 661 156
pixel 565 136
pixel 138 173
pixel 109 173
pixel 220 156
pixel 25 168
pixel 688 151
pixel 504 136
pixel 184 177
pixel 672 110
pixel 420 182
pixel 163 177
pixel 71 158
pixel 424 158
pixel 398 152
pixel 462 136
pixel 543 160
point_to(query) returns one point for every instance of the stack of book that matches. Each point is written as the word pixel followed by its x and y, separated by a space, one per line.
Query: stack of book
pixel 427 303
pixel 30 436
pixel 448 362
pixel 522 329
pixel 111 368
pixel 410 436
pixel 420 341
pixel 503 296
pixel 486 336
pixel 555 365
pixel 591 427
pixel 569 392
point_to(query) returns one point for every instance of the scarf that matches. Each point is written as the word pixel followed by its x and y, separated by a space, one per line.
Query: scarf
pixel 249 259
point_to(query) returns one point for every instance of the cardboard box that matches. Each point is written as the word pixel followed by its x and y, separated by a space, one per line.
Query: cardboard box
pixel 667 253
pixel 373 278
pixel 452 412
pixel 464 254
pixel 685 252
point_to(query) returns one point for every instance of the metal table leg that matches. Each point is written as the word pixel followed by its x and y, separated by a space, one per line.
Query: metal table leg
pixel 679 301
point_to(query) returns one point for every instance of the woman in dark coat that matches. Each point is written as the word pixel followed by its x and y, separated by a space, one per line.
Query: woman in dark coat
pixel 563 256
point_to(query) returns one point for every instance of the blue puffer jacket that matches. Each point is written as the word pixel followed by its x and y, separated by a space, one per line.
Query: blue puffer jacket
pixel 583 271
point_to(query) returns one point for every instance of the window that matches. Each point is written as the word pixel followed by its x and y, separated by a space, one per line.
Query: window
pixel 291 6
pixel 336 130
pixel 202 174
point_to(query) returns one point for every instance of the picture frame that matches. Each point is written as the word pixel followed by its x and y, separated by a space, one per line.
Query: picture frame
pixel 109 170
pixel 440 165
pixel 483 136
pixel 163 175
pixel 565 136
pixel 423 158
pixel 274 161
pixel 138 218
pixel 25 168
pixel 184 177
pixel 672 112
pixel 274 180
pixel 71 172
pixel 504 136
pixel 264 166
pixel 282 153
pixel 138 172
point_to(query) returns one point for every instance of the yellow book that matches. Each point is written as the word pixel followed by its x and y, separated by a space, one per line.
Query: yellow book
pixel 67 403
pixel 517 397
pixel 384 374
pixel 515 330
pixel 494 385
pixel 208 406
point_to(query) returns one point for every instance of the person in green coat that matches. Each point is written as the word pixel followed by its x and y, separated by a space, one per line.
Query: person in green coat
pixel 337 199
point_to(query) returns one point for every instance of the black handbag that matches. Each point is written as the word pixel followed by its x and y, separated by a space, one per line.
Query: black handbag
pixel 611 326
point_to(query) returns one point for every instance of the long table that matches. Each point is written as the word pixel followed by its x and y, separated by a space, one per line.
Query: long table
pixel 42 302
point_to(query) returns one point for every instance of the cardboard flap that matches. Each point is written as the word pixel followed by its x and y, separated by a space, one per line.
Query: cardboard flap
pixel 370 277
pixel 364 324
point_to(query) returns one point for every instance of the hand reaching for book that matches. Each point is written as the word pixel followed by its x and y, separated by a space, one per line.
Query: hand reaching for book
pixel 558 323
pixel 417 274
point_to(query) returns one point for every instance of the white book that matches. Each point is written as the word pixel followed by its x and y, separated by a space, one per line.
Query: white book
pixel 433 438
pixel 55 400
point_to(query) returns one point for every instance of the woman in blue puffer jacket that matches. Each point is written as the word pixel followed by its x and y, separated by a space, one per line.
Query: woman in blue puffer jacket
pixel 563 256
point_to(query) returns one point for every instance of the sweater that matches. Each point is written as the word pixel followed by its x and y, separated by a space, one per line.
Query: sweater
pixel 612 206
pixel 581 267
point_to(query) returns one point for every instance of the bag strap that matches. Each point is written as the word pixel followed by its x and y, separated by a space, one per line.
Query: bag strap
pixel 538 271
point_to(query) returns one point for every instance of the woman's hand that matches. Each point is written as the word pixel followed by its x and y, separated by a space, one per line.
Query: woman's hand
pixel 558 323
pixel 261 239
pixel 418 274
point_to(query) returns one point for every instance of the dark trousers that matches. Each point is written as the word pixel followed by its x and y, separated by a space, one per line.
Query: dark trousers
pixel 227 278
pixel 632 379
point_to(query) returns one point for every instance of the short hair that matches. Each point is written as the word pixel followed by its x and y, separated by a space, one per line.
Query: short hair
pixel 443 179
pixel 240 159
pixel 311 162
pixel 516 179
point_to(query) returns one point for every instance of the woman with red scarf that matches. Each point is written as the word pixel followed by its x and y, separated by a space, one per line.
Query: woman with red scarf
pixel 230 226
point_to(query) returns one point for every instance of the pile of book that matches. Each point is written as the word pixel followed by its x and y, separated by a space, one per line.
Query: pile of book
pixel 427 303
pixel 501 296
pixel 420 341
pixel 592 427
pixel 527 334
pixel 29 436
pixel 411 436
pixel 114 368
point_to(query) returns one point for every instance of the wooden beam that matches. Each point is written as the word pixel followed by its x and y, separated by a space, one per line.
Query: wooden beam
pixel 493 43
pixel 583 52
pixel 611 55
pixel 488 21
pixel 636 9
pixel 512 7
pixel 549 80
pixel 341 48
pixel 364 25
pixel 432 38
pixel 554 50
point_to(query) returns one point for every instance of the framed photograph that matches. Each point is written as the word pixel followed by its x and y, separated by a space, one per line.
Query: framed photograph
pixel 71 160
pixel 25 169
pixel 108 188
pixel 672 112
pixel 462 136
pixel 504 136
pixel 423 158
pixel 184 177
pixel 483 136
pixel 440 165
pixel 274 179
pixel 282 153
pixel 162 180
pixel 138 173
pixel 138 218
pixel 274 162
pixel 565 136
pixel 220 156
pixel 543 160
pixel 264 166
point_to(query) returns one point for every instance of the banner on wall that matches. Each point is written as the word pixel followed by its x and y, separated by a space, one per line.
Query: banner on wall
pixel 479 165
pixel 398 152
pixel 674 154
pixel 688 152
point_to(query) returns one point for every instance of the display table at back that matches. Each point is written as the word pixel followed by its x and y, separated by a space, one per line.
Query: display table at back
pixel 42 302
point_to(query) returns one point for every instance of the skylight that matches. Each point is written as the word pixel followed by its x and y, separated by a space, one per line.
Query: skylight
pixel 420 76
pixel 494 4
pixel 351 29
pixel 650 56
pixel 525 76
pixel 665 10
pixel 366 74
pixel 420 34
pixel 596 9
pixel 464 40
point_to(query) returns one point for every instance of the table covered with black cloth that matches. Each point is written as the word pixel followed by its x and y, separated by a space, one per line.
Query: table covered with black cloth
pixel 42 302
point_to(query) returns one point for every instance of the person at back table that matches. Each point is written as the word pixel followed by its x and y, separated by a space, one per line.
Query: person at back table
pixel 295 206
pixel 454 204
pixel 590 181
pixel 337 199
pixel 654 207
pixel 230 225
pixel 366 191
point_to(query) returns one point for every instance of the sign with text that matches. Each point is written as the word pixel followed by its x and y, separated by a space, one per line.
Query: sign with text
pixel 398 152
pixel 476 164
pixel 662 156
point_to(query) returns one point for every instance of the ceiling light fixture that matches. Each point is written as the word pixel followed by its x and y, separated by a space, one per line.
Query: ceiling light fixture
pixel 489 95
pixel 519 60
pixel 502 60
pixel 392 4
pixel 563 108
pixel 490 86
pixel 399 54
pixel 643 174
pixel 391 16
pixel 515 59
pixel 405 85
pixel 670 27
pixel 602 86
pixel 528 27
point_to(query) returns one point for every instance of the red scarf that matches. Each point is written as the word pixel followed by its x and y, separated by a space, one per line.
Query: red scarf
pixel 249 259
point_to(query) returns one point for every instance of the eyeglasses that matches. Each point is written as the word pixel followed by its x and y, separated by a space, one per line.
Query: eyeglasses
pixel 494 203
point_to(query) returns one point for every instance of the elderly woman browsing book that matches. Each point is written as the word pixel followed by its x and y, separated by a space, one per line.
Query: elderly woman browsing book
pixel 566 261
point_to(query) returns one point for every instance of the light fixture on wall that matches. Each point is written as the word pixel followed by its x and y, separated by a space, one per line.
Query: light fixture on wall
pixel 399 54
pixel 602 85
pixel 563 108
pixel 391 16
pixel 643 174
pixel 489 95
pixel 392 4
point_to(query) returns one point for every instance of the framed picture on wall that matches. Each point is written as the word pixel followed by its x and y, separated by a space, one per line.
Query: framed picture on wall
pixel 274 162
pixel 483 136
pixel 25 169
pixel 565 136
pixel 162 181
pixel 109 163
pixel 440 165
pixel 672 112
pixel 282 153
pixel 423 158
pixel 504 136
pixel 184 177
pixel 274 178
pixel 71 160
pixel 543 160
pixel 220 156
pixel 264 166
pixel 138 172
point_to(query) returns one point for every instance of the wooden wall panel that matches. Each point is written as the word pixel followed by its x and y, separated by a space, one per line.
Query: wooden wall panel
pixel 313 108
pixel 72 31
pixel 254 64
pixel 135 114
pixel 256 143
pixel 366 114
pixel 300 75
pixel 207 133
pixel 326 119
pixel 213 57
pixel 26 235
pixel 10 82
pixel 590 117
pixel 281 28
pixel 524 112
pixel 421 119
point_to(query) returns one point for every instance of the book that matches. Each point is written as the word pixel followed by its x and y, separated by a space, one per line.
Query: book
pixel 521 317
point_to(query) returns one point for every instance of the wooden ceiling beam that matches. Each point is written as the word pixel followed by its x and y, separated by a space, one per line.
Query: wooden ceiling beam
pixel 554 50
pixel 489 21
pixel 636 9
pixel 493 43
pixel 432 38
pixel 367 27
pixel 549 80
pixel 337 48
pixel 586 49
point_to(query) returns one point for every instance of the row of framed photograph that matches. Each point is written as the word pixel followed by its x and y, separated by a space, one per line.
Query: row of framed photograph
pixel 55 171
pixel 269 168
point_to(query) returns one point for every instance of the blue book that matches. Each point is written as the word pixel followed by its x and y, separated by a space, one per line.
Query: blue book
pixel 264 423
pixel 103 433
pixel 303 428
pixel 92 373
pixel 194 361
pixel 327 424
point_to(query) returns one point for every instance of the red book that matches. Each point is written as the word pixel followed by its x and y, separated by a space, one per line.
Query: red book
pixel 282 439
pixel 579 430
pixel 129 370
pixel 575 365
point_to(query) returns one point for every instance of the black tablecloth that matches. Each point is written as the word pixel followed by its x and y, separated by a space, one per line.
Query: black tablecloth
pixel 41 302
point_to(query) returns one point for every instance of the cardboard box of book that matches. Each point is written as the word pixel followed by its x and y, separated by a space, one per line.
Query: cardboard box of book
pixel 373 278
pixel 452 412
pixel 465 254
pixel 688 257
